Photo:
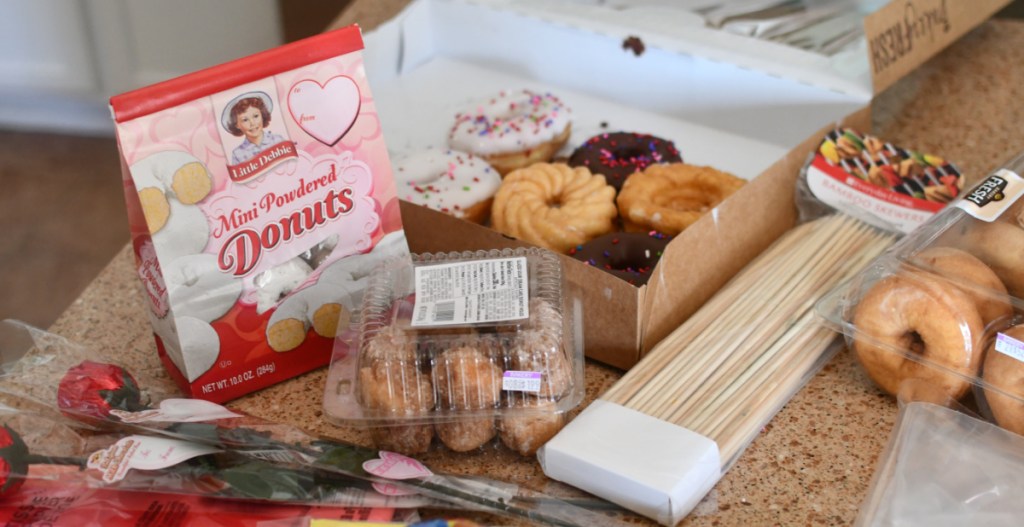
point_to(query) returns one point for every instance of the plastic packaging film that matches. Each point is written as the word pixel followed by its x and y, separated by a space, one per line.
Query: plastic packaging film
pixel 911 488
pixel 941 307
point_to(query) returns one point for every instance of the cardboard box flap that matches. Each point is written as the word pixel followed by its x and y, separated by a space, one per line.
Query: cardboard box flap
pixel 903 35
pixel 897 37
pixel 483 43
pixel 707 255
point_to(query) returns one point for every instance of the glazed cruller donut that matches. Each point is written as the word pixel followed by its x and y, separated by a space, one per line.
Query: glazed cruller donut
pixel 466 385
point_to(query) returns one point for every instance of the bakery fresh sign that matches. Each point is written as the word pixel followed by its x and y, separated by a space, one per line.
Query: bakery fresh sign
pixel 903 34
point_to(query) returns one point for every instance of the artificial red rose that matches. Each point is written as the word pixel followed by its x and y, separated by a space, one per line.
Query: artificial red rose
pixel 92 389
pixel 13 461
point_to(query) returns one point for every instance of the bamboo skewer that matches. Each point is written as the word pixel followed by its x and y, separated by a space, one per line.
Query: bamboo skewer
pixel 711 313
pixel 637 378
pixel 739 315
pixel 811 290
pixel 739 358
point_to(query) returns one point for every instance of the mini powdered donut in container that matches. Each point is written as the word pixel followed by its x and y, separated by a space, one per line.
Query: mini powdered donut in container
pixel 461 386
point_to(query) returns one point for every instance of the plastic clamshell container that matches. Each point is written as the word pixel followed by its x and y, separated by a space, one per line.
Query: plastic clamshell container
pixel 466 378
pixel 938 317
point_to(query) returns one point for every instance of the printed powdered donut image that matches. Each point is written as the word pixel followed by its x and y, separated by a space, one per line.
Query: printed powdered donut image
pixel 327 305
pixel 1003 374
pixel 165 175
pixel 448 181
pixel 512 129
pixel 925 316
pixel 191 344
pixel 554 206
pixel 187 231
pixel 975 278
pixel 618 155
pixel 198 288
pixel 668 198
pixel 200 346
pixel 630 256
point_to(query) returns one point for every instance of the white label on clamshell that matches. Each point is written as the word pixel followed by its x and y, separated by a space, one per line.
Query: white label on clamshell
pixel 472 292
pixel 1008 345
pixel 143 453
pixel 521 381
pixel 990 198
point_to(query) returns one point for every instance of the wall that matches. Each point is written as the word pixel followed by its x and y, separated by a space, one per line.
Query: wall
pixel 61 60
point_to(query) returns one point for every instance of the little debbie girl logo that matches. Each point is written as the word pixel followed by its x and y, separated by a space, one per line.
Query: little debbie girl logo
pixel 249 116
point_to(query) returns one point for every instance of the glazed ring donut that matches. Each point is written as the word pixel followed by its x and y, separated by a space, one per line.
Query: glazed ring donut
pixel 630 256
pixel 448 181
pixel 617 155
pixel 512 129
pixel 1005 372
pixel 554 206
pixel 975 278
pixel 922 315
pixel 1000 244
pixel 669 198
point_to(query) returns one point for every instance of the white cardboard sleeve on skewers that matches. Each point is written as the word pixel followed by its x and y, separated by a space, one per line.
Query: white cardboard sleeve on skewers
pixel 644 464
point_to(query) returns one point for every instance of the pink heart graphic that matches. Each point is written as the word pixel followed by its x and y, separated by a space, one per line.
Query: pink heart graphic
pixel 396 466
pixel 325 112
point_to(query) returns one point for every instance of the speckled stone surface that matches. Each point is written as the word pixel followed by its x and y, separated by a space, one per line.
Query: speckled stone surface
pixel 813 463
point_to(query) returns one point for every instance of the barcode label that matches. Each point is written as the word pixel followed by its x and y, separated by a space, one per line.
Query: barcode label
pixel 479 291
pixel 1008 345
pixel 444 312
pixel 521 381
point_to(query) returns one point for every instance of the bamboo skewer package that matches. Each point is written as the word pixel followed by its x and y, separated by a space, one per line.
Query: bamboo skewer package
pixel 693 404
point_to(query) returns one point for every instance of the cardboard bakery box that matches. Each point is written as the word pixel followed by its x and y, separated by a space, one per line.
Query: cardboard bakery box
pixel 721 107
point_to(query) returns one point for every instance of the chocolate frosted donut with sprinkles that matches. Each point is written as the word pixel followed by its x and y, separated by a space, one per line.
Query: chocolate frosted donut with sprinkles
pixel 630 256
pixel 513 129
pixel 618 155
pixel 448 181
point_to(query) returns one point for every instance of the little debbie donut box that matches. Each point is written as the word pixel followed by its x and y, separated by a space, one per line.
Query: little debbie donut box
pixel 259 197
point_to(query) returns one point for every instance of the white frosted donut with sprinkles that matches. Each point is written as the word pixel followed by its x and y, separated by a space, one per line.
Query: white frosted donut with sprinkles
pixel 513 129
pixel 448 181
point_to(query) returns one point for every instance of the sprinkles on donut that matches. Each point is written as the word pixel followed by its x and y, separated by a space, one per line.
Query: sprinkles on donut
pixel 448 181
pixel 512 129
pixel 630 256
pixel 618 155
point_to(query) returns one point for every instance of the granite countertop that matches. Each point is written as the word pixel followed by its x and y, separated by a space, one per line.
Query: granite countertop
pixel 813 463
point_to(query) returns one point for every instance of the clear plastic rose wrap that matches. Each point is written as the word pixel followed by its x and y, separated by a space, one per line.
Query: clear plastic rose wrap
pixel 96 393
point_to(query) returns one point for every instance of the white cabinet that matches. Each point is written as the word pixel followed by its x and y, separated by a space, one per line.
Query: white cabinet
pixel 61 60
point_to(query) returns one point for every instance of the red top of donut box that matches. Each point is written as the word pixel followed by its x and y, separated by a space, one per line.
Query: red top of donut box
pixel 259 196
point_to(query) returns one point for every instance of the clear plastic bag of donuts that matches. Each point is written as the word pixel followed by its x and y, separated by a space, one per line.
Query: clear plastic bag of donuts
pixel 470 348
pixel 944 306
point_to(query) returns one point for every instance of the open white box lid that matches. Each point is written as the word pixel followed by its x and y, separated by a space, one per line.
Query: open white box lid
pixel 487 40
